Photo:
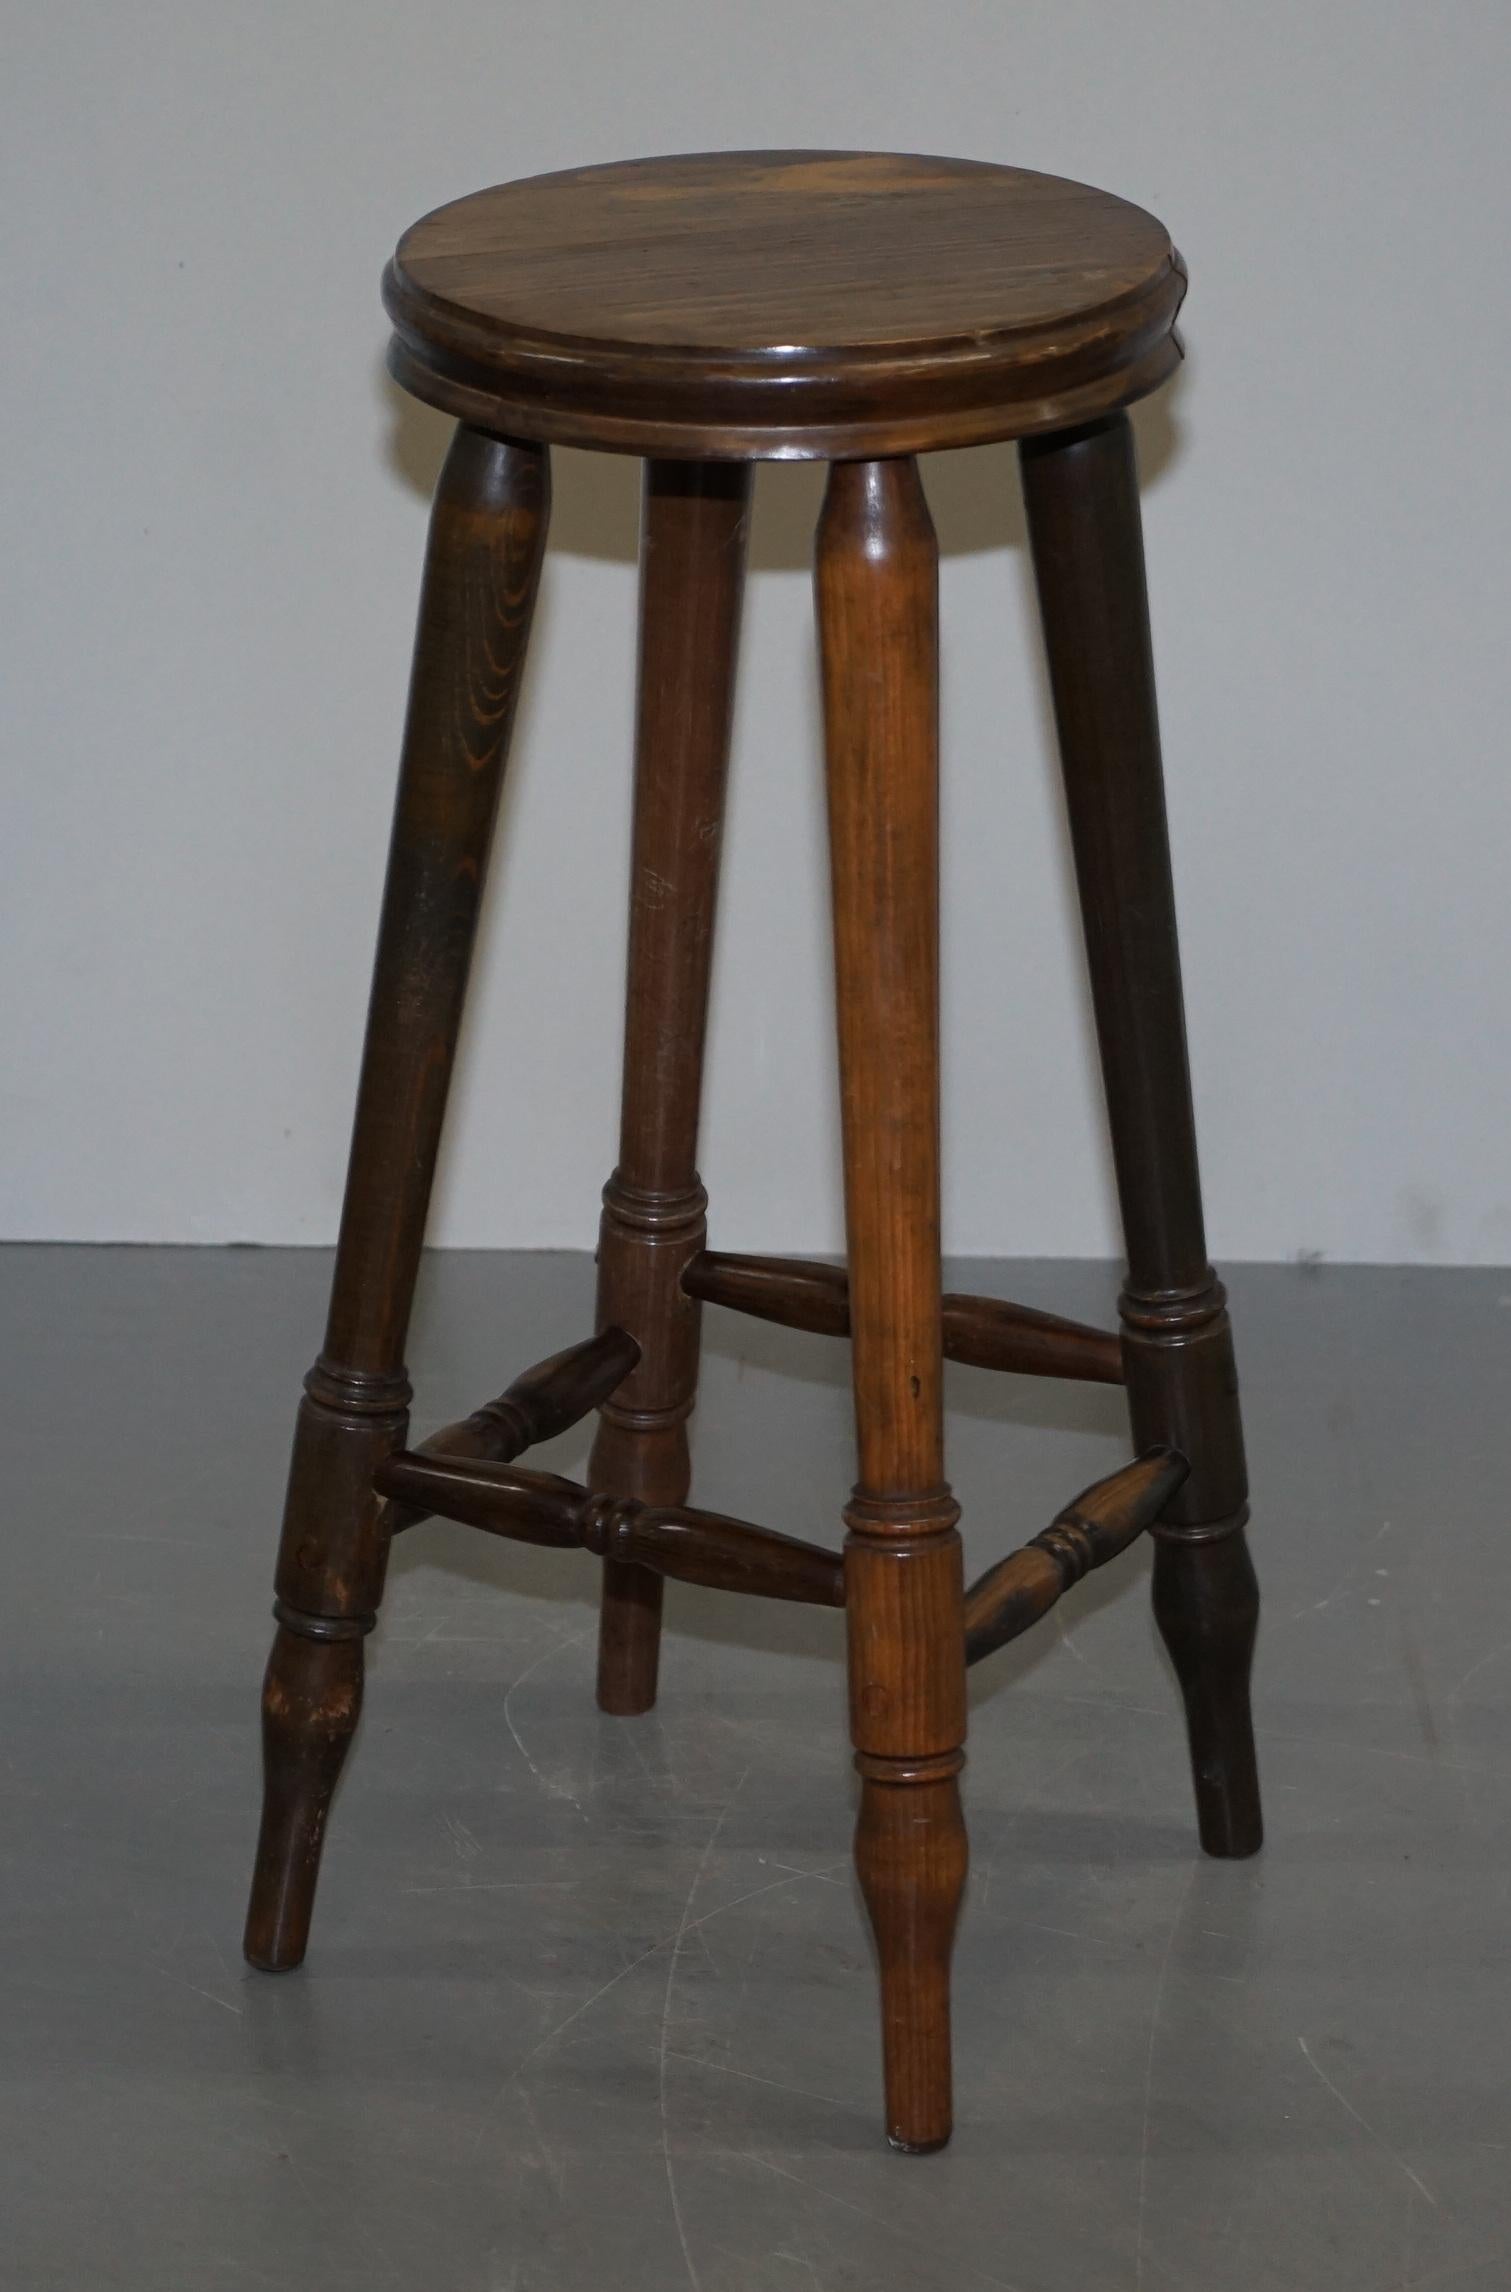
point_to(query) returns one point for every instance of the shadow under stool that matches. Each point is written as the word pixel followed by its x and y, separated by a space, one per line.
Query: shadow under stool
pixel 707 313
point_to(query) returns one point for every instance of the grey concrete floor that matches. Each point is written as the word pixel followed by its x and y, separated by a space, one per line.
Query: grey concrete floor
pixel 590 2004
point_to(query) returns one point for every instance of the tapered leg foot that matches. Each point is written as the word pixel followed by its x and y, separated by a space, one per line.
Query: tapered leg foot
pixel 487 534
pixel 1206 1604
pixel 910 1858
pixel 1080 491
pixel 311 1700
pixel 877 576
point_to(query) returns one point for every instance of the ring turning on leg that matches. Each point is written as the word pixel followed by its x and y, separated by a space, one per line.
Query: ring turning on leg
pixel 487 533
pixel 877 582
pixel 692 575
pixel 1081 494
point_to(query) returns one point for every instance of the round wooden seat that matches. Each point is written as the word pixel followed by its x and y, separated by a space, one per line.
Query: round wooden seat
pixel 784 305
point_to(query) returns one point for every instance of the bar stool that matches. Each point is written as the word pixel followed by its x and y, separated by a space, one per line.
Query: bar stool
pixel 707 313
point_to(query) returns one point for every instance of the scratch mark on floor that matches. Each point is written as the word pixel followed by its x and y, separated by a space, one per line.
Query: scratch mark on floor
pixel 727 2069
pixel 666 2009
pixel 224 2003
pixel 553 1790
pixel 827 1874
pixel 232 1980
pixel 1105 1703
pixel 1069 1644
pixel 576 2014
pixel 499 1886
pixel 1318 1606
pixel 1154 2014
pixel 1378 2138
pixel 630 1736
pixel 1069 1933
pixel 1407 2239
pixel 892 2228
pixel 1375 1751
pixel 770 1887
pixel 1475 1668
pixel 1416 1673
pixel 661 1942
pixel 552 2162
pixel 799 2260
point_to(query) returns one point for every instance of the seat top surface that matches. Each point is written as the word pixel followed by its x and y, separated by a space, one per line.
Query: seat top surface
pixel 763 285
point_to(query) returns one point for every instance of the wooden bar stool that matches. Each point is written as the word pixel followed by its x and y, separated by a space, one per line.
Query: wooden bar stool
pixel 707 313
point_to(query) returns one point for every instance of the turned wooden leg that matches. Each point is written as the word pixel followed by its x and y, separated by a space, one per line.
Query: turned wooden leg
pixel 692 575
pixel 878 627
pixel 486 537
pixel 1081 492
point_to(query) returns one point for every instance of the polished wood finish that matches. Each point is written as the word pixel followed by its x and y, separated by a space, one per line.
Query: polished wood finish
pixel 987 1332
pixel 877 595
pixel 731 1555
pixel 1086 1533
pixel 692 572
pixel 542 1508
pixel 707 312
pixel 487 534
pixel 784 305
pixel 311 1702
pixel 911 1853
pixel 1081 495
pixel 542 1403
pixel 795 1293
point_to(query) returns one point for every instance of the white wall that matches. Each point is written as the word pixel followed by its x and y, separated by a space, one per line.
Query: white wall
pixel 214 508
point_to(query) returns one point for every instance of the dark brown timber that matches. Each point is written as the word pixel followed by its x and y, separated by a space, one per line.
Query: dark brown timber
pixel 784 304
pixel 1092 1529
pixel 692 575
pixel 1081 493
pixel 542 1508
pixel 987 1332
pixel 486 536
pixel 877 588
pixel 711 311
pixel 544 1401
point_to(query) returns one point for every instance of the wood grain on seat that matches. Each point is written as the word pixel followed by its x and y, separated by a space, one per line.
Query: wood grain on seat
pixel 784 305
